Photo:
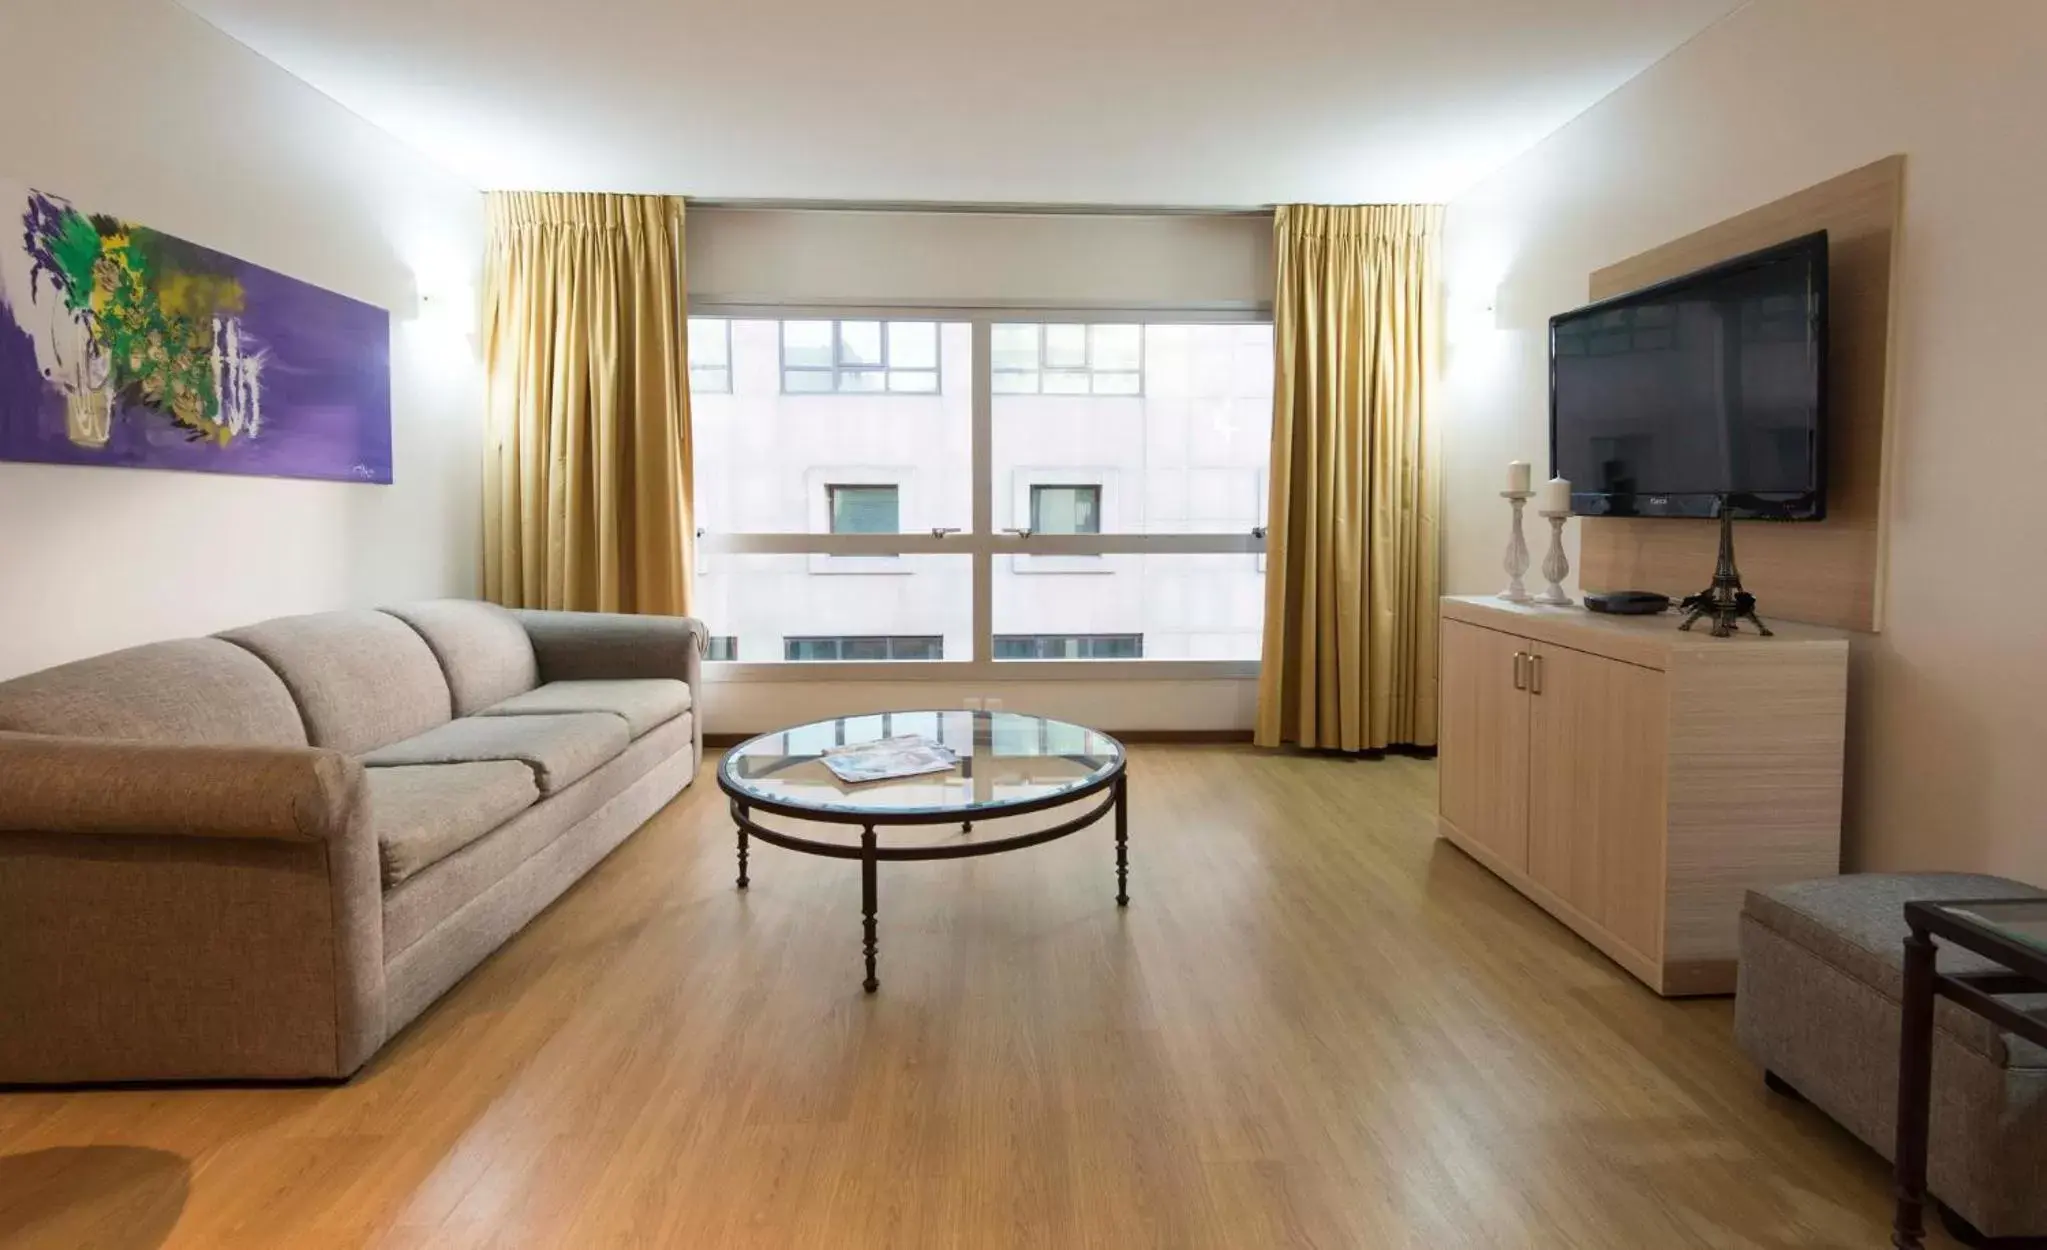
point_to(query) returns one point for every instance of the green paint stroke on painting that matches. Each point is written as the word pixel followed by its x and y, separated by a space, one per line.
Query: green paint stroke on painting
pixel 153 321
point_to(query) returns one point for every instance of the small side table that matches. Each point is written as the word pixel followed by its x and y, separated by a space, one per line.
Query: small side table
pixel 2012 934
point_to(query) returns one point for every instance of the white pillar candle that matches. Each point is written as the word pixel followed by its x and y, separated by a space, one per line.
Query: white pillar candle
pixel 1555 497
pixel 1517 476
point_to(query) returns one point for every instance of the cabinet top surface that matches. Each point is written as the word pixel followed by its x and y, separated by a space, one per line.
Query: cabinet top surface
pixel 1659 633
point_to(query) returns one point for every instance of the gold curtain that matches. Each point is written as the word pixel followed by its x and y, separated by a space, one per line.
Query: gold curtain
pixel 1351 582
pixel 586 489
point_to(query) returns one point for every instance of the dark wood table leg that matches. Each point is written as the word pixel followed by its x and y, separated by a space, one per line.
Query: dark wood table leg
pixel 740 812
pixel 1123 841
pixel 1915 1092
pixel 867 864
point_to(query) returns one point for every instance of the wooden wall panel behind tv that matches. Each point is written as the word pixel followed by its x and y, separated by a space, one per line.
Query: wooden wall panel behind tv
pixel 1829 572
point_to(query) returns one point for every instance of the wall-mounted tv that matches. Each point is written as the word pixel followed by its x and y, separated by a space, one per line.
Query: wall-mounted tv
pixel 1701 394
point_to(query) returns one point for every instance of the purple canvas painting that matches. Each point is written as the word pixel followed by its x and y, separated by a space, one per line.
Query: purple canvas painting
pixel 120 345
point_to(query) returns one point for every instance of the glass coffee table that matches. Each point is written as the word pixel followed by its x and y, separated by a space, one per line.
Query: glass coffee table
pixel 1010 765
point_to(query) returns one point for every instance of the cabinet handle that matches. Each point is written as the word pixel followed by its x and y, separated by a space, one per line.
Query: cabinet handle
pixel 1520 675
pixel 1535 674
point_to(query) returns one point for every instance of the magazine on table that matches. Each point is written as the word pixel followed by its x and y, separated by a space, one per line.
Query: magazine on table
pixel 909 755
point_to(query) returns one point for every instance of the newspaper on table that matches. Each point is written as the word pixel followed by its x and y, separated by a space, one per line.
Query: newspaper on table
pixel 909 755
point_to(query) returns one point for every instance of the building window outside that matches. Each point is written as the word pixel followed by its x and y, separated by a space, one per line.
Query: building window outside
pixel 1064 359
pixel 860 357
pixel 1066 509
pixel 724 649
pixel 710 356
pixel 1069 646
pixel 865 648
pixel 864 509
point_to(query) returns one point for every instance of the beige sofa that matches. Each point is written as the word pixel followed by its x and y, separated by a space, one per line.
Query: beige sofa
pixel 262 854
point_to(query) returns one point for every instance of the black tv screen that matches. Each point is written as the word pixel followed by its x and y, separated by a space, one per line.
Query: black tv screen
pixel 1697 394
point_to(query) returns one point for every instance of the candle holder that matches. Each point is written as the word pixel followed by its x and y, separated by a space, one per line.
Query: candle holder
pixel 1555 566
pixel 1516 562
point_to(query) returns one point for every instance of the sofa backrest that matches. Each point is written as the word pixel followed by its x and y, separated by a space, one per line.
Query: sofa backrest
pixel 484 651
pixel 362 680
pixel 191 690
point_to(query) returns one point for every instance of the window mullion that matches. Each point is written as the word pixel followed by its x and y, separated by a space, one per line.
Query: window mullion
pixel 983 534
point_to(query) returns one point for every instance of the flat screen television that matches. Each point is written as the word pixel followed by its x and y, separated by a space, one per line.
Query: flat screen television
pixel 1701 394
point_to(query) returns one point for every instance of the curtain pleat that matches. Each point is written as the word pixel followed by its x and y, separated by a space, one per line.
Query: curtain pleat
pixel 1351 582
pixel 587 492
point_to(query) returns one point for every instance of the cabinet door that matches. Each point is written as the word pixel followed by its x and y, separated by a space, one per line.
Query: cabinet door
pixel 1482 746
pixel 1596 790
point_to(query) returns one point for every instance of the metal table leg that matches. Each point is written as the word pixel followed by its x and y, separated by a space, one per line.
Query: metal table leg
pixel 740 812
pixel 1915 1091
pixel 867 864
pixel 1123 841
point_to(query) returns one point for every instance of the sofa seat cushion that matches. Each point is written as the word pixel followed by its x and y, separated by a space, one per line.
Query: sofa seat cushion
pixel 643 702
pixel 1856 923
pixel 423 813
pixel 561 750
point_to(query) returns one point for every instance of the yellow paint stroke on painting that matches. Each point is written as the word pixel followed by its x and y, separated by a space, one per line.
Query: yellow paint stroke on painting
pixel 198 295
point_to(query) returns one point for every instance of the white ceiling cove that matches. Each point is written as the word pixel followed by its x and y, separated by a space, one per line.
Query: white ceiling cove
pixel 1167 102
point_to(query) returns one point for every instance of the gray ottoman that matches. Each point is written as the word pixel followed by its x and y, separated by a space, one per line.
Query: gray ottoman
pixel 1818 1006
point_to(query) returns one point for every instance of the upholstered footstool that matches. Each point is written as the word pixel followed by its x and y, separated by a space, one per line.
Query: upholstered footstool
pixel 1818 1006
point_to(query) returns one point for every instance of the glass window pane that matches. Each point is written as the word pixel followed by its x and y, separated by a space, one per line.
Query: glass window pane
pixel 1015 382
pixel 806 343
pixel 1159 607
pixel 710 381
pixel 864 510
pixel 1013 346
pixel 1182 444
pixel 707 342
pixel 860 343
pixel 765 453
pixel 912 345
pixel 781 608
pixel 1065 347
pixel 1066 509
pixel 913 381
pixel 1116 347
pixel 863 649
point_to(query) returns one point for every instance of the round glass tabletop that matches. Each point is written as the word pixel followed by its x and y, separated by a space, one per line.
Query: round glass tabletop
pixel 1006 760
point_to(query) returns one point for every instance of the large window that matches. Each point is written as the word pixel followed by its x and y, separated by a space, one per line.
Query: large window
pixel 1022 495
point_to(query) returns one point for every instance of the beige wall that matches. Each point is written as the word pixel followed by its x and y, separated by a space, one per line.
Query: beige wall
pixel 138 108
pixel 1949 709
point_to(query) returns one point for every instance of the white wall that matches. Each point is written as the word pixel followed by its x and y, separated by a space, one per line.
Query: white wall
pixel 1950 704
pixel 137 108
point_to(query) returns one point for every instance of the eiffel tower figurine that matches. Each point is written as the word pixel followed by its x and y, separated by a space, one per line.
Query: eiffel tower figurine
pixel 1725 601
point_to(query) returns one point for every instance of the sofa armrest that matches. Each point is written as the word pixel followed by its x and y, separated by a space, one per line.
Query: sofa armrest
pixel 186 912
pixel 596 646
pixel 52 784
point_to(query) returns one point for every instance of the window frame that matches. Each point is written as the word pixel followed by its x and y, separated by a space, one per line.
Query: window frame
pixel 981 541
pixel 1087 368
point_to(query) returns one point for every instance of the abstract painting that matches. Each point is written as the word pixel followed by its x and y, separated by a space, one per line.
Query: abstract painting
pixel 121 345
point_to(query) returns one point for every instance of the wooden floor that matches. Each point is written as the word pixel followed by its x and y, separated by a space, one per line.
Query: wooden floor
pixel 1315 1025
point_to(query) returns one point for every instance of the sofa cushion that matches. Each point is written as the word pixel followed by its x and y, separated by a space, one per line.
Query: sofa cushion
pixel 361 679
pixel 644 702
pixel 560 750
pixel 423 813
pixel 484 651
pixel 197 691
pixel 1857 923
pixel 413 909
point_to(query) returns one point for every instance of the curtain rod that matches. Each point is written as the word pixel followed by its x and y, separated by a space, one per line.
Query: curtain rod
pixel 949 206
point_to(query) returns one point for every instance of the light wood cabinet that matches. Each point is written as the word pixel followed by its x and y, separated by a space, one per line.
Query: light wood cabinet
pixel 1636 781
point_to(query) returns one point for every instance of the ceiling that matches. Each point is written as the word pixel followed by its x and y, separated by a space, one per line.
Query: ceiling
pixel 1167 102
